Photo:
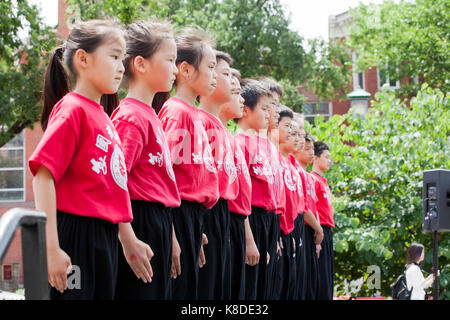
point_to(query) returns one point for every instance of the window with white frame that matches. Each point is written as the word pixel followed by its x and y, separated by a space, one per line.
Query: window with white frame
pixel 385 78
pixel 12 170
pixel 358 77
pixel 312 110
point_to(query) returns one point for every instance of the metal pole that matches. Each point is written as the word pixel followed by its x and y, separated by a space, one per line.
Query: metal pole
pixel 435 267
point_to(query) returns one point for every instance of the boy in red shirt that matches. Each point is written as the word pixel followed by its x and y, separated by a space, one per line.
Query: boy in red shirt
pixel 212 276
pixel 322 163
pixel 242 245
pixel 313 231
pixel 252 139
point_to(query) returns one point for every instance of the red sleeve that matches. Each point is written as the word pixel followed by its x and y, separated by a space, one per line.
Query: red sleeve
pixel 58 145
pixel 132 142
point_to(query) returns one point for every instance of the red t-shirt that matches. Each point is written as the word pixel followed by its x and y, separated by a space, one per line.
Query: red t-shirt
pixel 147 156
pixel 243 202
pixel 257 153
pixel 292 186
pixel 221 143
pixel 193 163
pixel 83 152
pixel 324 207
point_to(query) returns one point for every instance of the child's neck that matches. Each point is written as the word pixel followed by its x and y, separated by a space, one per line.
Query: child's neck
pixel 317 170
pixel 224 119
pixel 274 137
pixel 186 94
pixel 304 165
pixel 87 90
pixel 140 91
pixel 245 129
pixel 283 150
pixel 211 106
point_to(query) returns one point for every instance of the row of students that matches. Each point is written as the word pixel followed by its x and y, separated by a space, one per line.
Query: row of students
pixel 199 213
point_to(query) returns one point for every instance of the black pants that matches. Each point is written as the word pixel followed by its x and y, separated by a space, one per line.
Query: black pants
pixel 152 224
pixel 286 283
pixel 274 239
pixel 326 266
pixel 312 265
pixel 256 280
pixel 91 244
pixel 237 257
pixel 188 224
pixel 212 276
pixel 300 258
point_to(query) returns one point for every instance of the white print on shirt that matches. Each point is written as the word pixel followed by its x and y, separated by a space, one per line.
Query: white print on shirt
pixel 113 134
pixel 288 180
pixel 267 171
pixel 102 143
pixel 158 159
pixel 230 168
pixel 99 165
pixel 118 168
pixel 165 155
pixel 208 160
pixel 240 167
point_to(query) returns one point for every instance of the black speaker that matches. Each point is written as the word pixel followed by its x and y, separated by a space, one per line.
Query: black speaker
pixel 436 200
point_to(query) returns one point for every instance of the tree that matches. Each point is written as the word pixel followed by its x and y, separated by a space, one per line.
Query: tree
pixel 410 41
pixel 377 183
pixel 22 63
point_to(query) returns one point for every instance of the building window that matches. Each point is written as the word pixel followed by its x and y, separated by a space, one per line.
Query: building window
pixel 12 170
pixel 315 109
pixel 358 77
pixel 384 78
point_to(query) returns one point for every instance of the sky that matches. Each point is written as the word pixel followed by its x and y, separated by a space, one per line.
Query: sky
pixel 308 17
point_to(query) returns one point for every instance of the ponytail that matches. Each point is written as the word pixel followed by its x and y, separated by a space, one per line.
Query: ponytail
pixel 159 99
pixel 56 84
pixel 109 102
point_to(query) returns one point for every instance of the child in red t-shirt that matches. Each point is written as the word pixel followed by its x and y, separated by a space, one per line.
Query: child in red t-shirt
pixel 149 68
pixel 322 163
pixel 313 231
pixel 242 245
pixel 80 177
pixel 193 163
pixel 258 150
pixel 214 280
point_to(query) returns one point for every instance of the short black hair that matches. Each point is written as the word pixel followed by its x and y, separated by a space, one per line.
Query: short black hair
pixel 252 91
pixel 220 55
pixel 286 113
pixel 309 137
pixel 320 147
pixel 271 84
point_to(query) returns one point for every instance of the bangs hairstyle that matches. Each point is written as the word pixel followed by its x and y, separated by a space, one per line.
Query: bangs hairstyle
pixel 235 73
pixel 271 84
pixel 309 138
pixel 191 44
pixel 320 147
pixel 88 36
pixel 144 38
pixel 285 113
pixel 220 55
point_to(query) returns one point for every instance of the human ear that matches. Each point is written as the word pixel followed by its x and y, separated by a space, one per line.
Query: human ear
pixel 185 70
pixel 81 59
pixel 139 64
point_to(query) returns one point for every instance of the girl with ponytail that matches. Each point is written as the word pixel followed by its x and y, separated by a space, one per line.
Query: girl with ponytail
pixel 149 68
pixel 80 178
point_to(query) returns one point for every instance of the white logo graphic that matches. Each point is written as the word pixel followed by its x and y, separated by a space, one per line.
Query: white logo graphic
pixel 113 134
pixel 102 143
pixel 230 168
pixel 99 165
pixel 118 168
pixel 267 171
pixel 241 167
pixel 165 155
pixel 158 159
pixel 288 180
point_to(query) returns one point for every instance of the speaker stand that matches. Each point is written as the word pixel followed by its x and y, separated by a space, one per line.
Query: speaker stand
pixel 435 266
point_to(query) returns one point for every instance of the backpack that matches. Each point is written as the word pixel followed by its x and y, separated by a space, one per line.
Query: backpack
pixel 400 289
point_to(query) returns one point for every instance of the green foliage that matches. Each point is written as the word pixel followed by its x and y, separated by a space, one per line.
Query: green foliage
pixel 377 182
pixel 411 38
pixel 22 63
